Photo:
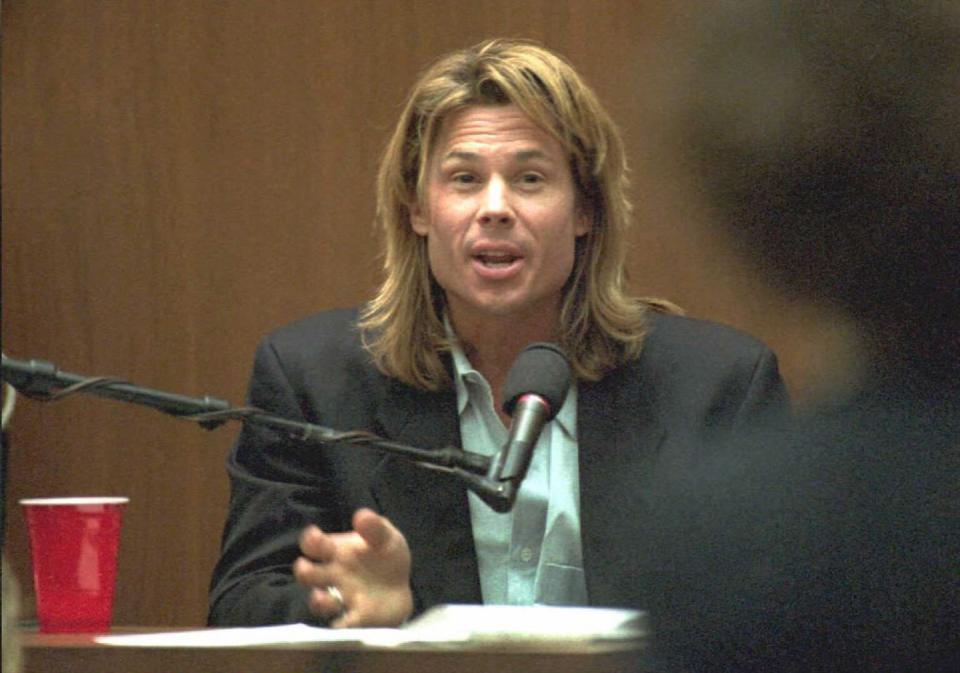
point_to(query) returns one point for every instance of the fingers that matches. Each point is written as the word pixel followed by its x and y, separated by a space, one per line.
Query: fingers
pixel 310 574
pixel 312 569
pixel 376 530
pixel 323 603
pixel 369 566
pixel 317 545
pixel 349 619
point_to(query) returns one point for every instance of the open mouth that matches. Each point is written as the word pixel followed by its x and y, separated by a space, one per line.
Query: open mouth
pixel 496 260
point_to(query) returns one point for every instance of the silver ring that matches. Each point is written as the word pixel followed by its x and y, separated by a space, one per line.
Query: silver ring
pixel 335 594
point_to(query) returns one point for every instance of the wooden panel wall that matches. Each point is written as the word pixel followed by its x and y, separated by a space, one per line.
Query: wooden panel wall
pixel 181 176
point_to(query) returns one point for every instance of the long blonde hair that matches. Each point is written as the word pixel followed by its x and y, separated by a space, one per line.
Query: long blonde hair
pixel 601 326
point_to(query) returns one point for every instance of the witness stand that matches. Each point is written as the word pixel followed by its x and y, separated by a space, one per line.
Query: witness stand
pixel 80 653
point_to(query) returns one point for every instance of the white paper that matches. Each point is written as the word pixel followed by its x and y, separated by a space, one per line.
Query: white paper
pixel 528 622
pixel 252 636
pixel 441 624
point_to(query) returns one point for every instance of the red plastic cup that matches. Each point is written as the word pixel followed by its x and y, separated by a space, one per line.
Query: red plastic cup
pixel 74 544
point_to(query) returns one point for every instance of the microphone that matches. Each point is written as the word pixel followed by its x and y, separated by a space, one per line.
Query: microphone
pixel 536 387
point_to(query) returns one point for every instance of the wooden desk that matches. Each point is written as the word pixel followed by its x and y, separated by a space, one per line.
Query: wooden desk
pixel 76 653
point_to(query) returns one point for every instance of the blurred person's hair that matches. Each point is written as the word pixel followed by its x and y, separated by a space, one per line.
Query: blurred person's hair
pixel 825 137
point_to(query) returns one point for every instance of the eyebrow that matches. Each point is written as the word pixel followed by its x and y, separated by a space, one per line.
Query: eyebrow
pixel 522 155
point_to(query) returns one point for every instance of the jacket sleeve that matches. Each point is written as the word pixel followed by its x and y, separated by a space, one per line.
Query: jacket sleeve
pixel 277 486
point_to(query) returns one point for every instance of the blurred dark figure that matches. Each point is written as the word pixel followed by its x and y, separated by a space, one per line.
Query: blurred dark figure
pixel 825 137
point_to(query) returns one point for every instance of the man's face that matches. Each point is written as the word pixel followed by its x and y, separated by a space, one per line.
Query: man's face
pixel 500 217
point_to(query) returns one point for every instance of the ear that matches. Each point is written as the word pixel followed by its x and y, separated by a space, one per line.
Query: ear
pixel 418 220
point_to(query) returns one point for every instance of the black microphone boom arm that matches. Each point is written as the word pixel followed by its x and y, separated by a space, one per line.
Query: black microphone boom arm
pixel 42 380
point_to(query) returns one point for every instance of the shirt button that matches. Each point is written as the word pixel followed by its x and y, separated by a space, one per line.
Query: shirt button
pixel 526 554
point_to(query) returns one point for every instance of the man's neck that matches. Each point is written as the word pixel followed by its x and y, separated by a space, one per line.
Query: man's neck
pixel 493 345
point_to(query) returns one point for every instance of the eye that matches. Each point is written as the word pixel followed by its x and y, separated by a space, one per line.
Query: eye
pixel 531 179
pixel 463 178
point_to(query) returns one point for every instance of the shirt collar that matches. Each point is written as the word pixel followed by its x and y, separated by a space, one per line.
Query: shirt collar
pixel 463 372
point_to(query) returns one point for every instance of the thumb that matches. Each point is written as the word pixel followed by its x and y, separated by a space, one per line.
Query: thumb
pixel 376 530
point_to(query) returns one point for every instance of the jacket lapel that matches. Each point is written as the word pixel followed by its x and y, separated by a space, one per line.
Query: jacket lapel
pixel 429 507
pixel 620 437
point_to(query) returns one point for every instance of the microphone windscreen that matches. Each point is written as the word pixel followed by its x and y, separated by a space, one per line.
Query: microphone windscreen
pixel 541 369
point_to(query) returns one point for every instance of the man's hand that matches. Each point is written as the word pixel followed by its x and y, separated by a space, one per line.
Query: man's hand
pixel 369 566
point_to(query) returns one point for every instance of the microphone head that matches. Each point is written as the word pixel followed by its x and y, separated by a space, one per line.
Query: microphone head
pixel 541 369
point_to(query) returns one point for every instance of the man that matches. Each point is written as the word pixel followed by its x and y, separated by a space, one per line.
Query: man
pixel 502 198
pixel 826 139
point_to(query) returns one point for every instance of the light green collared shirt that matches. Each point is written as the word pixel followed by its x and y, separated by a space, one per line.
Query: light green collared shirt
pixel 532 554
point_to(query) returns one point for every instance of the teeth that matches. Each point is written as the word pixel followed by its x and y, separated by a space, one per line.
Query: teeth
pixel 496 259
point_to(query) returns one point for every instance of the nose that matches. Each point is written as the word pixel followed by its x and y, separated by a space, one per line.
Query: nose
pixel 495 207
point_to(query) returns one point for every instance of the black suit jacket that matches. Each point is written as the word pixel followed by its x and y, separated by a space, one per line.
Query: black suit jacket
pixel 692 380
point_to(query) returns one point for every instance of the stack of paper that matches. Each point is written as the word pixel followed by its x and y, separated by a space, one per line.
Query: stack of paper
pixel 441 624
pixel 528 622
